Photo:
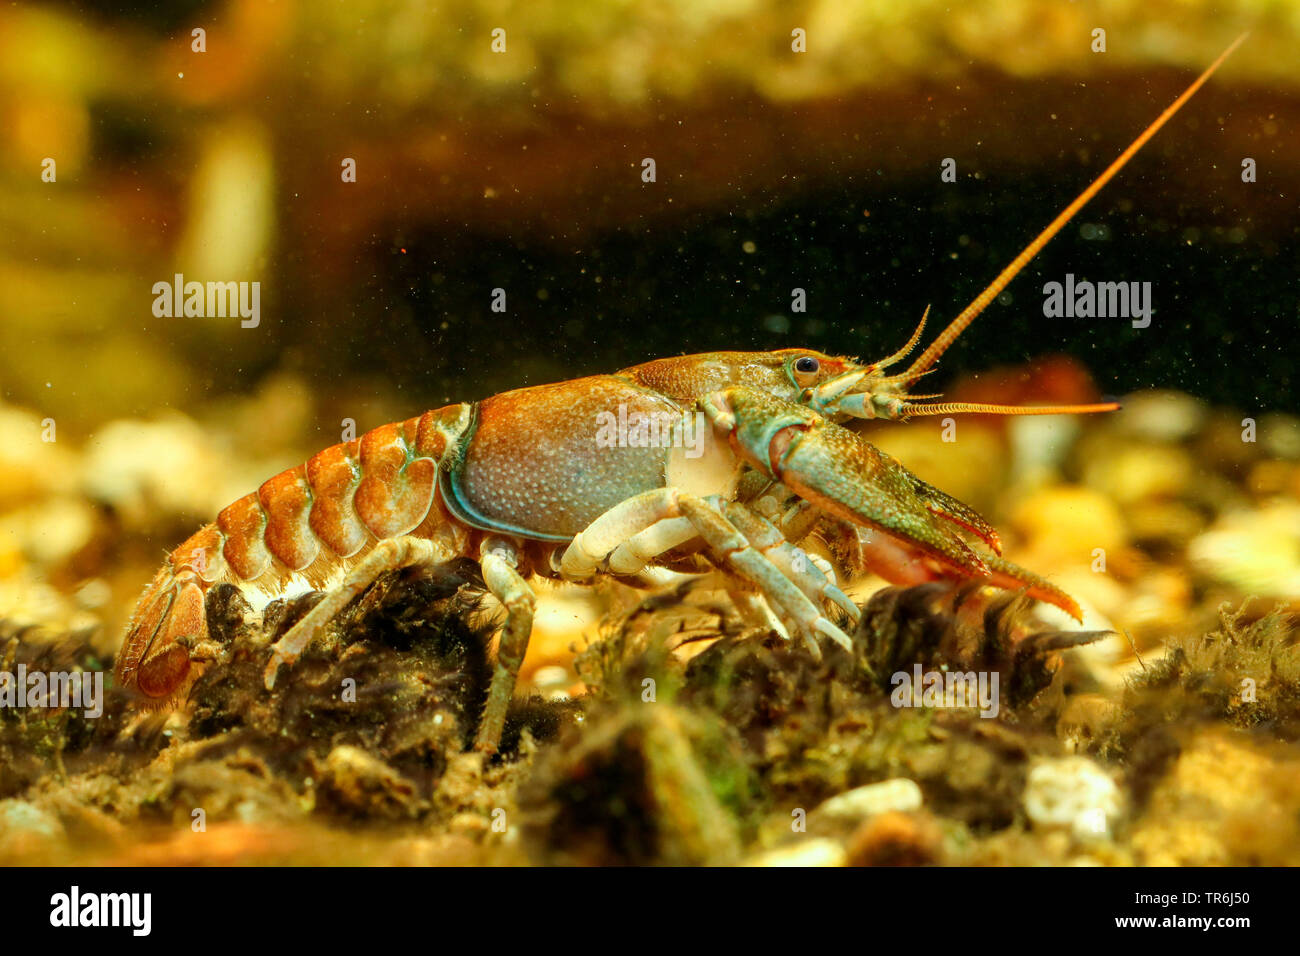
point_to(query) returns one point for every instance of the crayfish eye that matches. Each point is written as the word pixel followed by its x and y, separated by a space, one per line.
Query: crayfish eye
pixel 806 365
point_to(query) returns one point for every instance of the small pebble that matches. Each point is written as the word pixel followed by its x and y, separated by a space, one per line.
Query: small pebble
pixel 1161 415
pixel 1257 552
pixel 900 794
pixel 1139 472
pixel 1074 794
pixel 1280 436
pixel 1068 523
pixel 26 830
pixel 810 852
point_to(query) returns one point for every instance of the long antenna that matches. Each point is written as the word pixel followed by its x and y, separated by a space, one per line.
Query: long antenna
pixel 910 410
pixel 959 324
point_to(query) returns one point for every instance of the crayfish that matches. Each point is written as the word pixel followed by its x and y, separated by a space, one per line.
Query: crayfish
pixel 526 483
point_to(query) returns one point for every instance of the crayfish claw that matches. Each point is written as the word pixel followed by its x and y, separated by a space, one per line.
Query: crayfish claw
pixel 959 513
pixel 1014 577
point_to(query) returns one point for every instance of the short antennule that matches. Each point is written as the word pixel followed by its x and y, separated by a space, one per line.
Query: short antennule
pixel 906 350
pixel 904 379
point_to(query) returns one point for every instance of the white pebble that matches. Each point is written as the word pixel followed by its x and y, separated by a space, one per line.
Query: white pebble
pixel 811 852
pixel 1072 793
pixel 901 795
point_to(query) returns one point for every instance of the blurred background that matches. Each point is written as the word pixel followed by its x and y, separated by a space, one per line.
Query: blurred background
pixel 120 431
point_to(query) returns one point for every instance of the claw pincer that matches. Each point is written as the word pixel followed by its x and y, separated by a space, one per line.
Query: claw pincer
pixel 851 480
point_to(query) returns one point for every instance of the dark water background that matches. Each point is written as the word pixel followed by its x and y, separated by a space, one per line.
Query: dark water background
pixel 659 280
pixel 1225 305
pixel 1223 326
